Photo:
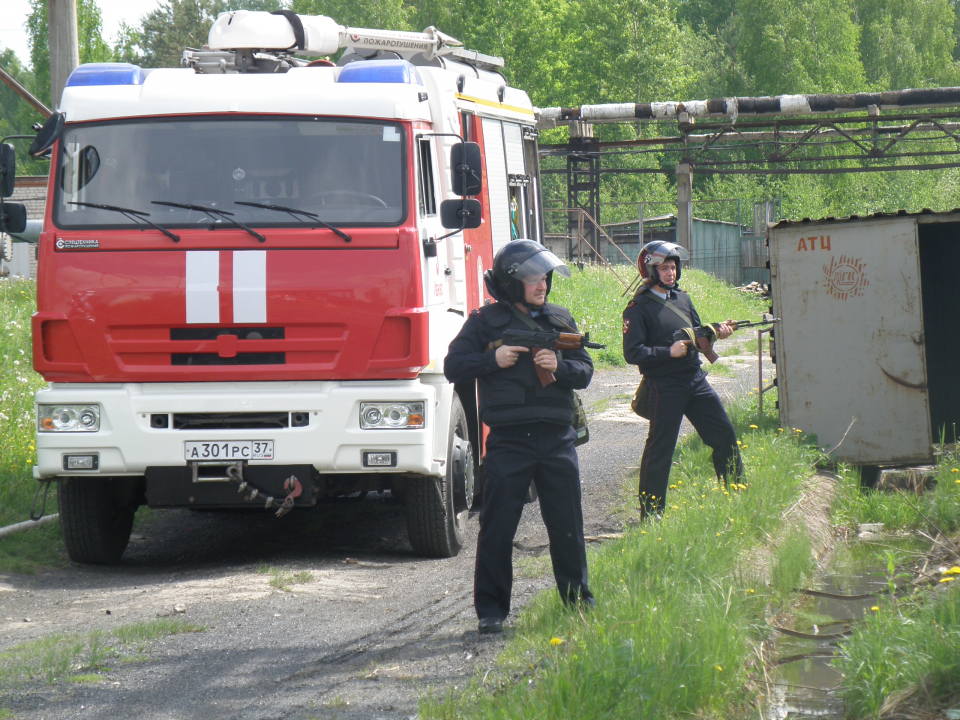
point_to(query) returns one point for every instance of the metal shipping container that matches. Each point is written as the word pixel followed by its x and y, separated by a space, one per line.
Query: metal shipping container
pixel 869 334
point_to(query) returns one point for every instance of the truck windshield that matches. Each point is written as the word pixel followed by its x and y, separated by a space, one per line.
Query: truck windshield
pixel 346 172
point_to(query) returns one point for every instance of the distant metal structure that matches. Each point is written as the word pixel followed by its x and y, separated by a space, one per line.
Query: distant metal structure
pixel 783 135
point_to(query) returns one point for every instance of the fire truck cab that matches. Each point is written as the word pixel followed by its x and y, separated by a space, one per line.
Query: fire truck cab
pixel 251 267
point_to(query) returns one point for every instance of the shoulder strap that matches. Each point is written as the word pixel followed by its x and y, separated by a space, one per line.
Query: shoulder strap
pixel 683 315
pixel 526 319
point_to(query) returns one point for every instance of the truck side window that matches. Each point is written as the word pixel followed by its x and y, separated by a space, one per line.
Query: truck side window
pixel 426 191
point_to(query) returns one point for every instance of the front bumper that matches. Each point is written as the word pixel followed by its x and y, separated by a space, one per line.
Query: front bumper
pixel 332 442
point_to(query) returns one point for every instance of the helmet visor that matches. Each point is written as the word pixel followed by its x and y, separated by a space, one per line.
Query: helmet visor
pixel 535 267
pixel 657 253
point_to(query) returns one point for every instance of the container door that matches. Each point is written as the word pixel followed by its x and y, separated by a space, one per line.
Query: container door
pixel 850 346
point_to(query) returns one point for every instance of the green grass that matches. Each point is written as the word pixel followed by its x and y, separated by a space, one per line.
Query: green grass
pixel 594 296
pixel 77 656
pixel 908 648
pixel 677 602
pixel 283 580
pixel 900 511
pixel 793 564
pixel 18 383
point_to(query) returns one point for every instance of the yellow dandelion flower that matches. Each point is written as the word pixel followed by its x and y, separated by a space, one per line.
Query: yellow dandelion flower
pixel 739 443
pixel 718 668
pixel 745 447
pixel 661 540
pixel 675 507
pixel 556 641
pixel 956 482
pixel 679 482
pixel 754 427
pixel 673 487
pixel 718 534
pixel 643 532
pixel 725 492
pixel 952 571
pixel 750 590
pixel 949 579
pixel 875 608
pixel 955 470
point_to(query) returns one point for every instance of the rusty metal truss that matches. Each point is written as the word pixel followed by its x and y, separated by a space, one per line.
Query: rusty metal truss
pixel 799 145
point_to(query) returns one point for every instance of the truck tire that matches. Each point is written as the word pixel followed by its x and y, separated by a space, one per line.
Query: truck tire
pixel 434 526
pixel 96 516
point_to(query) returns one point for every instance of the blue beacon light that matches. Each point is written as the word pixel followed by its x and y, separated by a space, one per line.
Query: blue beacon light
pixel 106 74
pixel 380 71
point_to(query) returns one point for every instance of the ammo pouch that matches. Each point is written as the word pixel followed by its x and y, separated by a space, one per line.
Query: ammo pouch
pixel 641 400
pixel 580 421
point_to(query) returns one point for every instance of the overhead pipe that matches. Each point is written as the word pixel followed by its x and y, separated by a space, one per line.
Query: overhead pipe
pixel 751 106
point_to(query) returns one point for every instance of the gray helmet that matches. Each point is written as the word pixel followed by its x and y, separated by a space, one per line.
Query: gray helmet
pixel 519 261
pixel 654 253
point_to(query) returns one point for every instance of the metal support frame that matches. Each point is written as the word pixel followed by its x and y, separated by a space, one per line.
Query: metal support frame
pixel 760 388
pixel 583 179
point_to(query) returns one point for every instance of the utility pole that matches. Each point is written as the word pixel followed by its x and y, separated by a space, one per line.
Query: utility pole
pixel 684 206
pixel 64 47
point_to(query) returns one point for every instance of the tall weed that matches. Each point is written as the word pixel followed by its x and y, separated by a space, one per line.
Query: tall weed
pixel 899 511
pixel 18 383
pixel 903 648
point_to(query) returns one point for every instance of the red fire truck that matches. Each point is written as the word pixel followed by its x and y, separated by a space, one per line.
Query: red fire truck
pixel 251 267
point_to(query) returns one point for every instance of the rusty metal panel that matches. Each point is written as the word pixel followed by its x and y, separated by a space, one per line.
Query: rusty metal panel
pixel 850 345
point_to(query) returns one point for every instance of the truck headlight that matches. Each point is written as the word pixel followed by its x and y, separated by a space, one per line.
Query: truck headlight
pixel 391 416
pixel 68 418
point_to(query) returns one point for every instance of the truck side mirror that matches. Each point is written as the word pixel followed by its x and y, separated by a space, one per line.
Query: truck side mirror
pixel 13 218
pixel 463 214
pixel 466 169
pixel 8 169
pixel 47 135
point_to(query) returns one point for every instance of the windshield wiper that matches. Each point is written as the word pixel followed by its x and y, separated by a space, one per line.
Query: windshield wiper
pixel 135 215
pixel 214 214
pixel 294 212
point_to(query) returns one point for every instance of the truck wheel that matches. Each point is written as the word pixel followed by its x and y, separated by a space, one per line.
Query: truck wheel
pixel 435 524
pixel 96 516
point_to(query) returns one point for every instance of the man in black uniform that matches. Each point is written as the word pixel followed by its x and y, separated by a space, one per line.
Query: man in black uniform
pixel 677 384
pixel 531 434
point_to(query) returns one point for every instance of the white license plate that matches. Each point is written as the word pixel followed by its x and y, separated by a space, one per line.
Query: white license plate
pixel 229 450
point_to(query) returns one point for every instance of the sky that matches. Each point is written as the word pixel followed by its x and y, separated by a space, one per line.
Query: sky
pixel 13 34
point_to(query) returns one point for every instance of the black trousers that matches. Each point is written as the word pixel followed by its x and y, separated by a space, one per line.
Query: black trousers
pixel 671 398
pixel 517 454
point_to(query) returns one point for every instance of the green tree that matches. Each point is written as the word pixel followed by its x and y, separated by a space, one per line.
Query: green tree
pixel 92 46
pixel 800 46
pixel 375 14
pixel 177 25
pixel 16 115
pixel 908 43
pixel 534 37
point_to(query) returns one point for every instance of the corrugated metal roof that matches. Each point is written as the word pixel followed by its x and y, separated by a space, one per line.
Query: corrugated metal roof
pixel 874 216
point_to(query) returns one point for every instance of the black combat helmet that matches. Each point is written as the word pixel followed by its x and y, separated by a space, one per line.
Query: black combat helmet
pixel 517 261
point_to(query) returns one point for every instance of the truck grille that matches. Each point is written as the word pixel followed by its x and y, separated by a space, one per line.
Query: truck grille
pixel 276 358
pixel 230 421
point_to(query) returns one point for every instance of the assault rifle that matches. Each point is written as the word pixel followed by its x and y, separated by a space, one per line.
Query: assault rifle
pixel 534 339
pixel 705 335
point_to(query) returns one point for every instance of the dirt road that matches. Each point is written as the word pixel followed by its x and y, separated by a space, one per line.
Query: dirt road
pixel 359 627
